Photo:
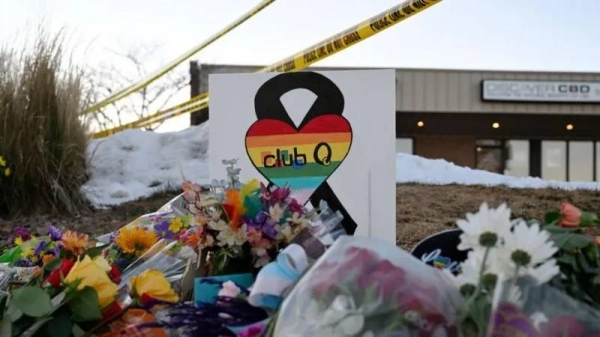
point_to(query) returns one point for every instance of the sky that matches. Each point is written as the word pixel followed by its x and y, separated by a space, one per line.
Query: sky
pixel 552 35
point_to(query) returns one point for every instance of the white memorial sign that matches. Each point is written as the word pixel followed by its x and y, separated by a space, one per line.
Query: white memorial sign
pixel 328 135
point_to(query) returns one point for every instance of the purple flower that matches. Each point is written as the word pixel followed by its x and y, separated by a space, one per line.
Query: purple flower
pixel 162 230
pixel 122 263
pixel 39 248
pixel 55 233
pixel 269 230
pixel 112 236
pixel 507 320
pixel 23 233
pixel 258 221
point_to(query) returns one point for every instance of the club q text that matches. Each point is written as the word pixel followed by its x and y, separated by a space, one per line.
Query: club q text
pixel 321 155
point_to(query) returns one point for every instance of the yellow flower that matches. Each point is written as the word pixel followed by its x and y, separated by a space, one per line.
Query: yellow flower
pixel 154 284
pixel 135 240
pixel 2 161
pixel 101 262
pixel 18 241
pixel 27 252
pixel 176 225
pixel 91 275
pixel 74 242
pixel 7 171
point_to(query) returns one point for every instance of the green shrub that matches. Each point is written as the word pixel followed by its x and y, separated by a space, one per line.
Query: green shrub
pixel 42 138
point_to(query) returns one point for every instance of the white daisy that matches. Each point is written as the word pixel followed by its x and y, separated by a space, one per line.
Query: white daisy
pixel 471 268
pixel 486 221
pixel 530 249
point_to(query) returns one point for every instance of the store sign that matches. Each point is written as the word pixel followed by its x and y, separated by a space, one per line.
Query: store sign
pixel 540 91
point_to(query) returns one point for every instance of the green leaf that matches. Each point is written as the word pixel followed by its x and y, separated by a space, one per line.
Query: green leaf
pixel 584 264
pixel 11 255
pixel 77 331
pixel 50 266
pixel 558 229
pixel 32 300
pixel 93 252
pixel 577 241
pixel 6 326
pixel 552 217
pixel 85 306
pixel 14 313
pixel 60 326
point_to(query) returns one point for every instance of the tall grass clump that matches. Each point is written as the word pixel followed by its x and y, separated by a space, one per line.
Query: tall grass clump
pixel 42 139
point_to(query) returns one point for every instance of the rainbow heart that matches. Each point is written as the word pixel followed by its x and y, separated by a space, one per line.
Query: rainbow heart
pixel 302 158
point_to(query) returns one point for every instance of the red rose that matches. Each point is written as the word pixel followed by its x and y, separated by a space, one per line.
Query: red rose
pixel 55 277
pixel 115 274
pixel 111 311
pixel 386 277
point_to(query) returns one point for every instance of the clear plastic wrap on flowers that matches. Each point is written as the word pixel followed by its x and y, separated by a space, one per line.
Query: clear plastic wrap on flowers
pixel 162 256
pixel 524 308
pixel 369 287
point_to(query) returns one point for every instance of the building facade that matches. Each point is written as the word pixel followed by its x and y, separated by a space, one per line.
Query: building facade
pixel 538 124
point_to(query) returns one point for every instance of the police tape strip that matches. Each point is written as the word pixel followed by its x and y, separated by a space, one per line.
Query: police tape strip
pixel 351 36
pixel 315 53
pixel 159 73
pixel 202 105
pixel 186 107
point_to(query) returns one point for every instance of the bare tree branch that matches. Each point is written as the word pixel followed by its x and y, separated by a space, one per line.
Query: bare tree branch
pixel 136 60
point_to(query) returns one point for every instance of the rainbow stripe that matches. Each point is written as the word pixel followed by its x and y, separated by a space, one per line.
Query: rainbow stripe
pixel 272 145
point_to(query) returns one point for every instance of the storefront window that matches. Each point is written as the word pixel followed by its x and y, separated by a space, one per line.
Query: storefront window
pixel 517 164
pixel 581 161
pixel 554 160
pixel 404 145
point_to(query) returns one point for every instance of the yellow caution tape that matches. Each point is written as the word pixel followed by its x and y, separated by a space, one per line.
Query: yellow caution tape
pixel 191 104
pixel 303 59
pixel 159 73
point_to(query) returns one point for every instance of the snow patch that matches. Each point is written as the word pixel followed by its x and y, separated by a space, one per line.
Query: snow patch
pixel 135 164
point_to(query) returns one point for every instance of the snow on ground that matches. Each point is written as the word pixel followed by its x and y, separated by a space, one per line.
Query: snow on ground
pixel 134 164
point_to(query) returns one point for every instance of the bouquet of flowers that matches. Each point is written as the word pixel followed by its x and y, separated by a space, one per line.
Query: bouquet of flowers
pixel 516 268
pixel 366 287
pixel 62 284
pixel 237 227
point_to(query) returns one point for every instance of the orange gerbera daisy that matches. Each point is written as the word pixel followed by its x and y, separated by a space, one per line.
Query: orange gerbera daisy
pixel 74 242
pixel 135 240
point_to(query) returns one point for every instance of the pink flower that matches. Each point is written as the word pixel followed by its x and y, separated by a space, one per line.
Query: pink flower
pixel 254 236
pixel 571 216
pixel 229 289
pixel 252 331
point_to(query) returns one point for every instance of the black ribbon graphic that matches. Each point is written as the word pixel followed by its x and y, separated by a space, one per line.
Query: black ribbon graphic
pixel 330 101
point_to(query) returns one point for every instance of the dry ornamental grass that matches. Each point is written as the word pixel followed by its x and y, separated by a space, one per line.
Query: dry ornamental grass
pixel 41 136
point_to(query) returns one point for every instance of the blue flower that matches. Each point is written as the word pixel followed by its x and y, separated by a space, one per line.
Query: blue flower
pixel 55 233
pixel 162 230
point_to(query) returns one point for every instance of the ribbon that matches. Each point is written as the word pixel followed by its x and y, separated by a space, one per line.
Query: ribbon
pixel 277 277
pixel 330 101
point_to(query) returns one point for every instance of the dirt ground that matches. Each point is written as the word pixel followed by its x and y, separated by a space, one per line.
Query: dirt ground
pixel 421 209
